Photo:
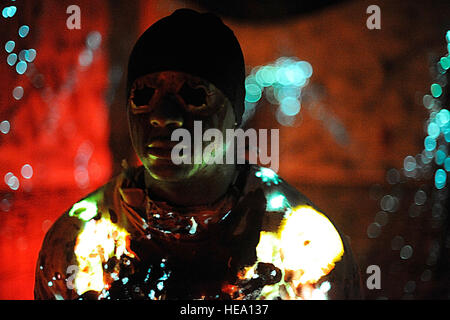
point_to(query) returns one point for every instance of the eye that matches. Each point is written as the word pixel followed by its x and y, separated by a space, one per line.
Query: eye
pixel 193 96
pixel 142 96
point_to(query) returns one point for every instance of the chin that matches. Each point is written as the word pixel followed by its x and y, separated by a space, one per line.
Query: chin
pixel 166 170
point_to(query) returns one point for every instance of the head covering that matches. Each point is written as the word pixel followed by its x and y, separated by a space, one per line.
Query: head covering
pixel 199 44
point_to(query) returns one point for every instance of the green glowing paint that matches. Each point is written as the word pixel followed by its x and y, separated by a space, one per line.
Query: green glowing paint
pixel 84 210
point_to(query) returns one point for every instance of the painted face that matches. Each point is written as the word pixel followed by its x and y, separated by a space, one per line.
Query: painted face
pixel 161 102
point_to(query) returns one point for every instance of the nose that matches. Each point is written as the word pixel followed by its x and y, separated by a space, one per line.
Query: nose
pixel 166 112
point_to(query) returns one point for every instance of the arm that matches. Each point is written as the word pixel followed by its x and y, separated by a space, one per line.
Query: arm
pixel 56 261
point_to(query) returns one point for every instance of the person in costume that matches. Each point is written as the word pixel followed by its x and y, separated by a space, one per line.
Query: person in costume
pixel 199 230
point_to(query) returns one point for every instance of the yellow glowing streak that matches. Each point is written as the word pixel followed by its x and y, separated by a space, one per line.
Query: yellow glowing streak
pixel 310 243
pixel 307 245
pixel 99 241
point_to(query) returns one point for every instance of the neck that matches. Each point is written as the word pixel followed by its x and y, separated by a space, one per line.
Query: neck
pixel 198 190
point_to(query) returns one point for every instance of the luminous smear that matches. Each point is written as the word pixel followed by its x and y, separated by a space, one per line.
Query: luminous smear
pixel 310 244
pixel 99 241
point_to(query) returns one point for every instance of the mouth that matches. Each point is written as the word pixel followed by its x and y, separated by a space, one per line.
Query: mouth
pixel 161 148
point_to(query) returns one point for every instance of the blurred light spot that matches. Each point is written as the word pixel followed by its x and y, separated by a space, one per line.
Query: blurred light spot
pixel 406 252
pixel 85 58
pixel 410 286
pixel 426 275
pixel 414 211
pixel 420 197
pixel 443 117
pixel 373 230
pixel 426 159
pixel 389 203
pixel 440 178
pixel 306 67
pixel 276 202
pixel 11 59
pixel 46 224
pixel 8 176
pixel 430 143
pixel 265 76
pixel 447 136
pixel 428 101
pixel 5 205
pixel 290 106
pixel 38 81
pixel 21 67
pixel 393 176
pixel 437 211
pixel 22 54
pixel 9 12
pixel 447 164
pixel 30 55
pixel 282 83
pixel 93 40
pixel 436 90
pixel 13 182
pixel 281 76
pixel 26 171
pixel 284 119
pixel 382 218
pixel 5 126
pixel 286 92
pixel 23 31
pixel 445 63
pixel 440 157
pixel 17 93
pixel 433 130
pixel 252 92
pixel 81 176
pixel 409 163
pixel 9 46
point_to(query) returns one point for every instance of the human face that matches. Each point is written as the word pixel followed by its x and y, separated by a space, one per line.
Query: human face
pixel 161 102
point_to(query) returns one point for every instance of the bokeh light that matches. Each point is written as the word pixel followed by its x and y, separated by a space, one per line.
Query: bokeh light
pixel 281 83
pixel 23 31
pixel 26 171
pixel 9 46
pixel 5 126
pixel 17 93
pixel 436 90
pixel 11 59
pixel 9 12
pixel 21 67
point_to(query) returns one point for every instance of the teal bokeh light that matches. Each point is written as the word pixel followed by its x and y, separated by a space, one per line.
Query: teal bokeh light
pixel 430 143
pixel 440 178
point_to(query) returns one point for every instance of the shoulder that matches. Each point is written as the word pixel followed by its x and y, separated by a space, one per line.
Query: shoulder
pixel 278 193
pixel 57 258
pixel 301 241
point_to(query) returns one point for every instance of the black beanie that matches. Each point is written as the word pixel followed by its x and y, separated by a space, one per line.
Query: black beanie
pixel 199 44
